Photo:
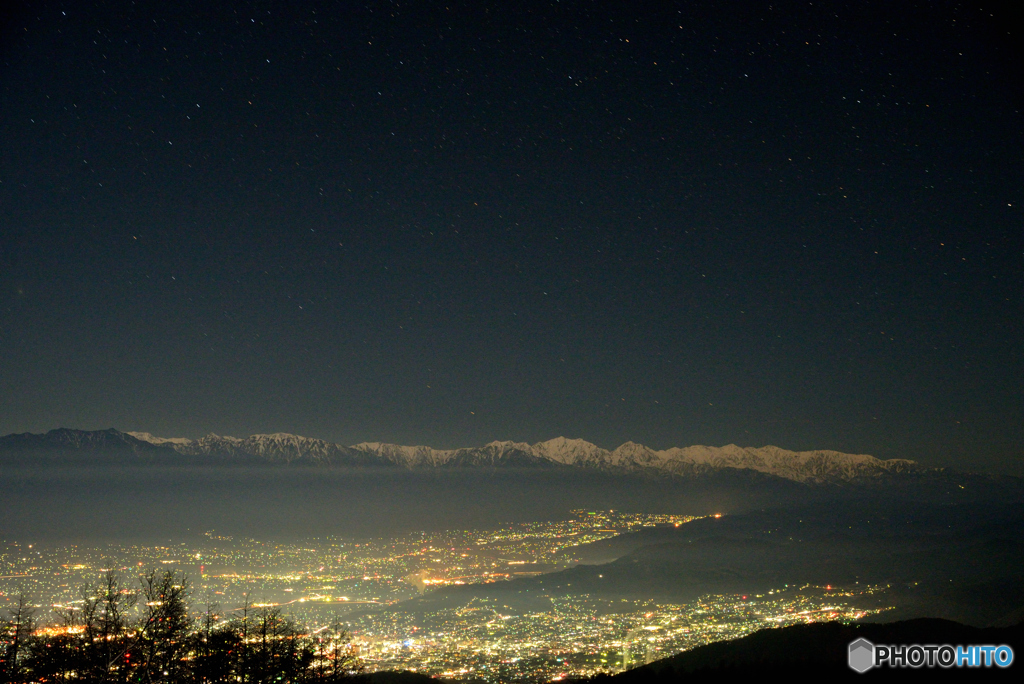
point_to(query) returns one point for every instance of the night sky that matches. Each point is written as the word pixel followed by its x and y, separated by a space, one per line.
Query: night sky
pixel 792 223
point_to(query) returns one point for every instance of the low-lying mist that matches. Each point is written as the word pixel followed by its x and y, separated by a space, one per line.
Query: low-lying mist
pixel 149 504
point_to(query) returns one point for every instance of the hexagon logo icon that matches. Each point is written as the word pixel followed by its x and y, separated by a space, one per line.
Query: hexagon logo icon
pixel 861 656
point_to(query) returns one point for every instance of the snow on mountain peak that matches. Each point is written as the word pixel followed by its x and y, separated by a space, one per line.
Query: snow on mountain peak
pixel 152 439
pixel 803 466
pixel 571 451
pixel 502 446
pixel 633 455
pixel 405 456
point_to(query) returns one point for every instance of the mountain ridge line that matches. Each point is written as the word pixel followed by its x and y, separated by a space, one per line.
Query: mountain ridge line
pixel 816 466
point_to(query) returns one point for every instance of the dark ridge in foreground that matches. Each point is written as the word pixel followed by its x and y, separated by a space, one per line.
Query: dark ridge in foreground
pixel 403 677
pixel 821 649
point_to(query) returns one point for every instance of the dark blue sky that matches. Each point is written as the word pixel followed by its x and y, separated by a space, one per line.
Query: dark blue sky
pixel 797 224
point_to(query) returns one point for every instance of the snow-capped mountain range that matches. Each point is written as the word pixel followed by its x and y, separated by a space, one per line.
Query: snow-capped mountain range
pixel 560 452
pixel 804 466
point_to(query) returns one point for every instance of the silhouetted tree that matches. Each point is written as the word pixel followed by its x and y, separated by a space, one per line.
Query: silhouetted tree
pixel 123 635
pixel 334 657
pixel 106 631
pixel 15 635
pixel 276 650
pixel 215 649
pixel 162 643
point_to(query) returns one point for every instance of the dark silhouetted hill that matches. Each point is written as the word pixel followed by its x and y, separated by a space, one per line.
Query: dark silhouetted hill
pixel 820 650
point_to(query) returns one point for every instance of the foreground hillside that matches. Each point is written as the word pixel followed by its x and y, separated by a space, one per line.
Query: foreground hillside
pixel 820 650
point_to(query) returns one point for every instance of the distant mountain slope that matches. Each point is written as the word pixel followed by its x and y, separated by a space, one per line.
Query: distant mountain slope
pixel 812 467
pixel 279 447
pixel 406 456
pixel 78 440
pixel 92 445
pixel 806 466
